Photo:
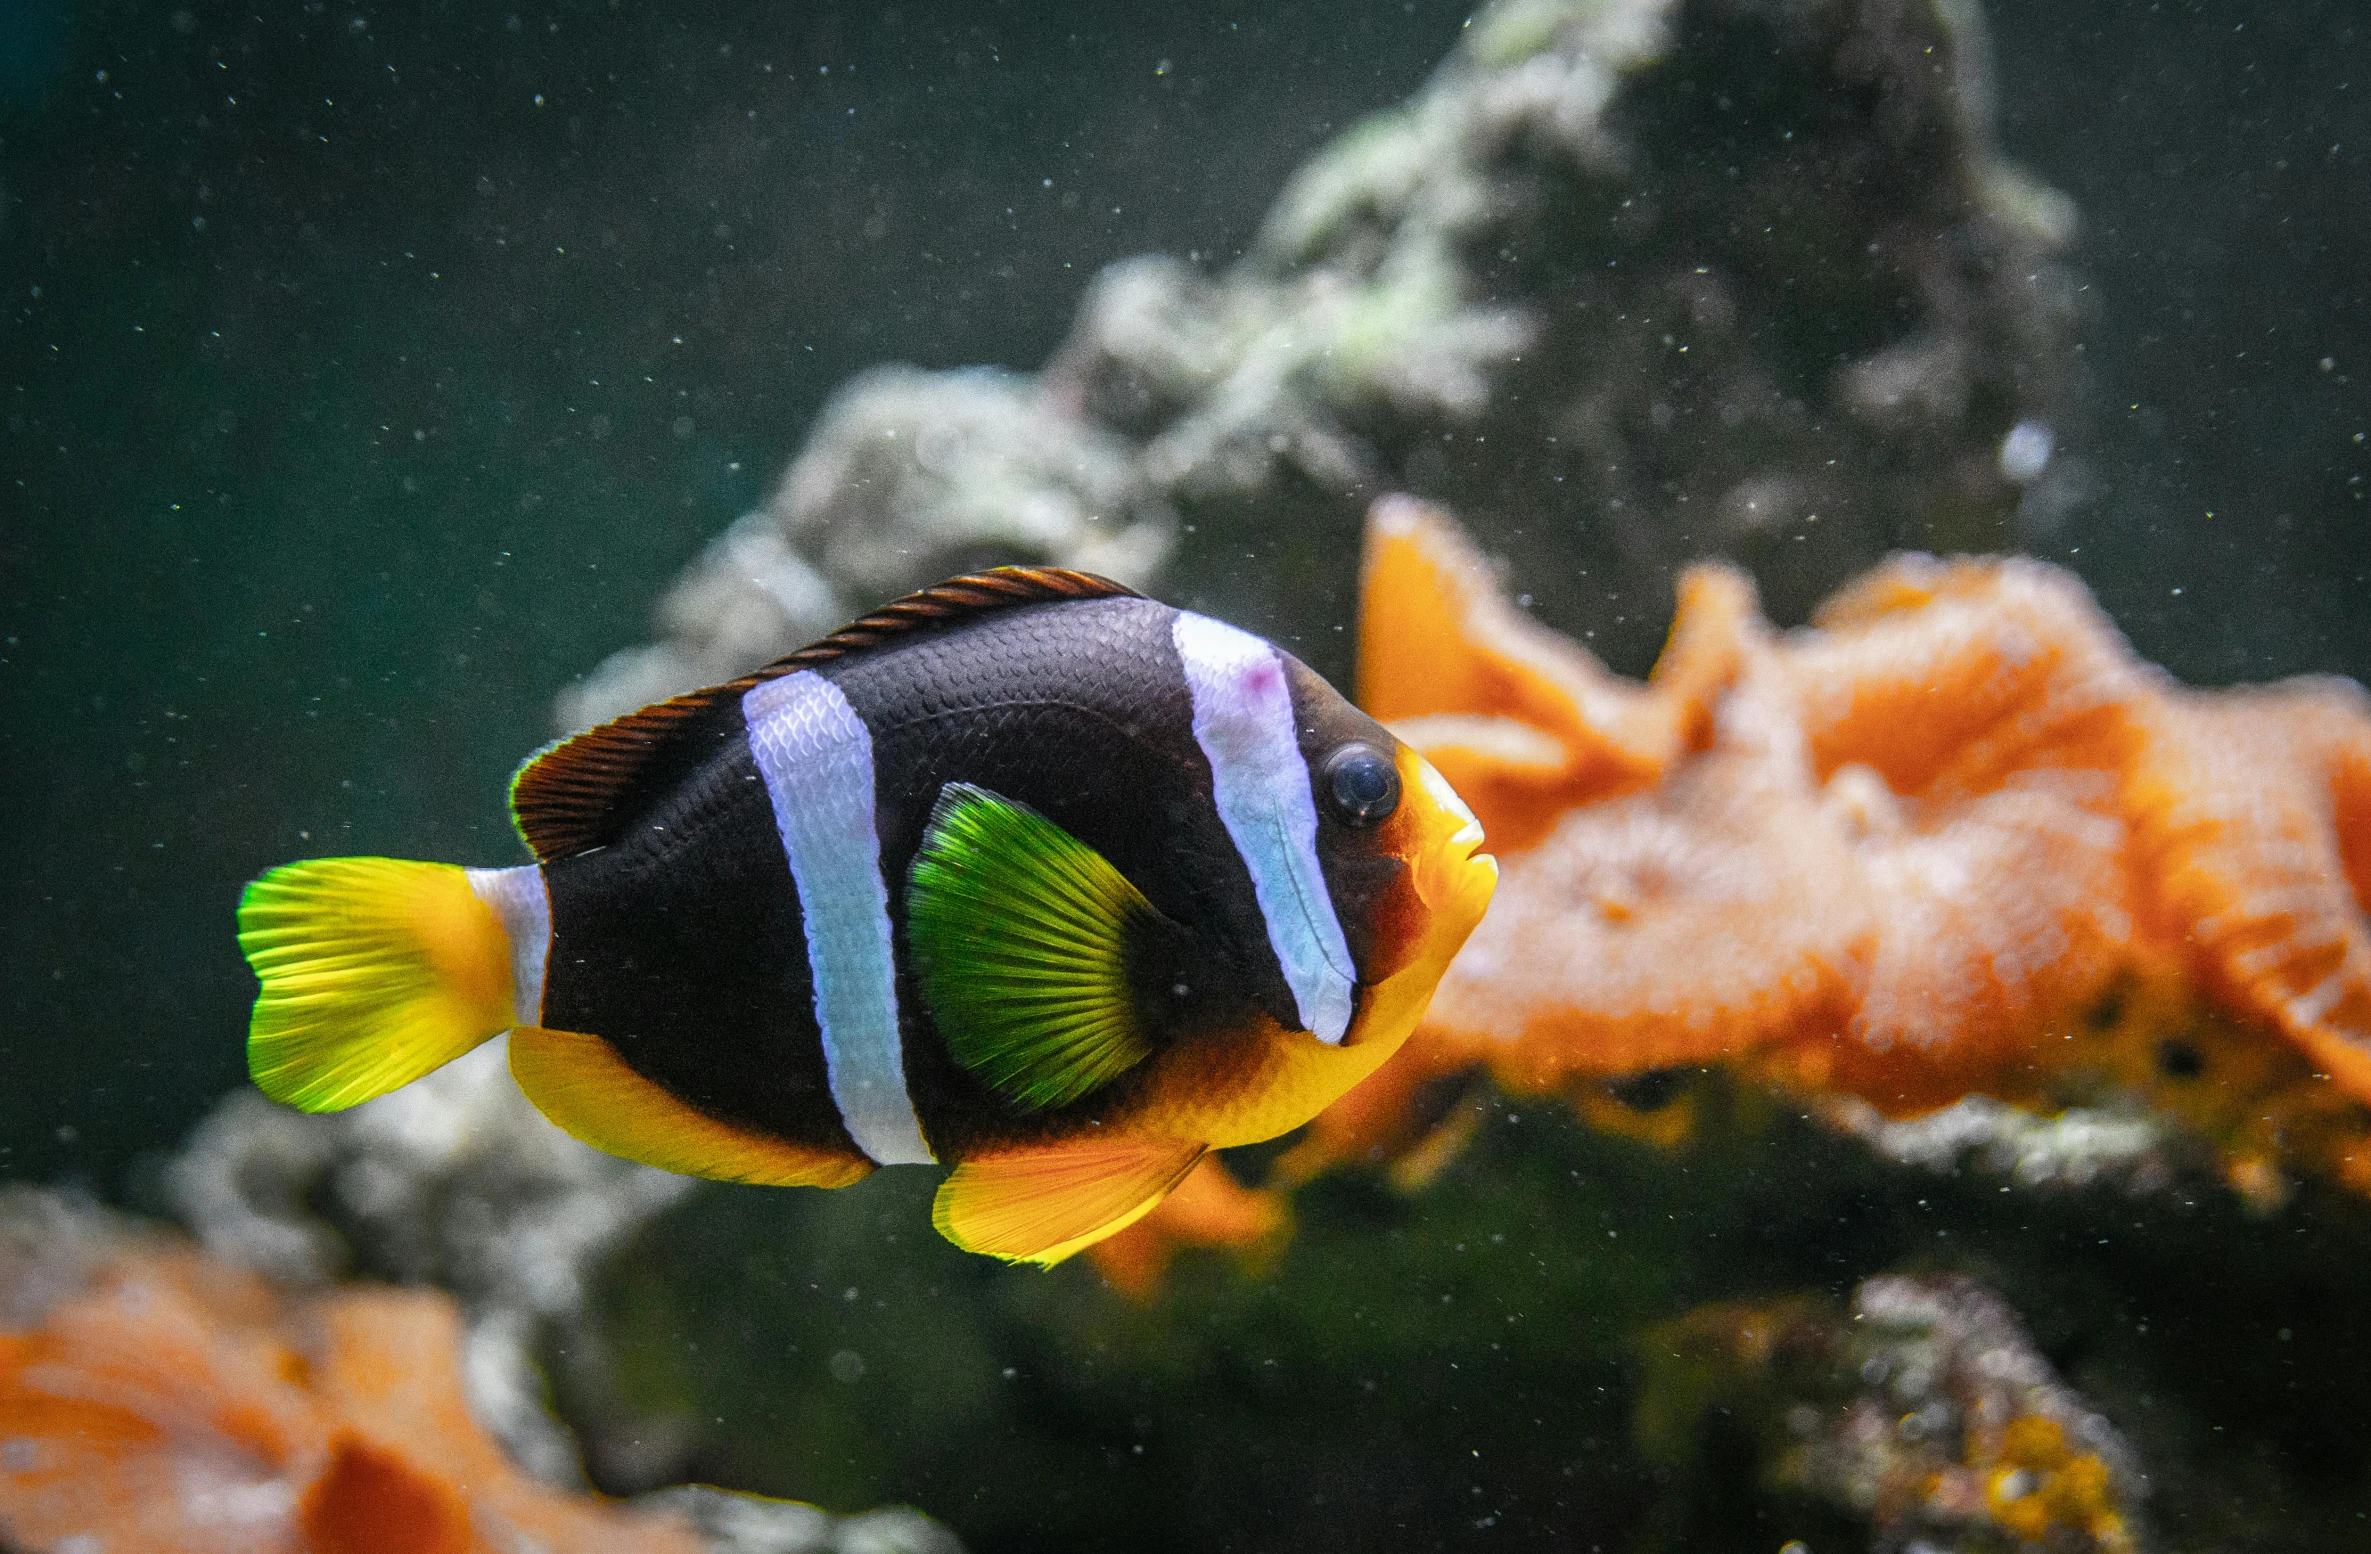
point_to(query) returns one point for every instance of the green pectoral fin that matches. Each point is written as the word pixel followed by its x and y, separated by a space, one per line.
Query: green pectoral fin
pixel 1023 936
pixel 1042 1205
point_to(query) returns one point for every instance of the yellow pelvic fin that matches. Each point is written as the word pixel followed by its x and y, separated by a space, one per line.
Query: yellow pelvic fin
pixel 374 970
pixel 1041 1205
pixel 580 1083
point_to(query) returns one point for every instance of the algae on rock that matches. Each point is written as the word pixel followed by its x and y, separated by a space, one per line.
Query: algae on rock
pixel 1924 1409
pixel 1638 280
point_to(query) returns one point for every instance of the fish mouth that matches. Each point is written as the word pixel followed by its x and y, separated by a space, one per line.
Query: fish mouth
pixel 1472 879
pixel 1453 881
pixel 1453 877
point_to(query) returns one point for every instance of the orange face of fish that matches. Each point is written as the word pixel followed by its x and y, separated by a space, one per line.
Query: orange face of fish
pixel 1293 1076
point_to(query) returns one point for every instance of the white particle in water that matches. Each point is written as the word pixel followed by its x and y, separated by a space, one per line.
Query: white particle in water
pixel 2025 452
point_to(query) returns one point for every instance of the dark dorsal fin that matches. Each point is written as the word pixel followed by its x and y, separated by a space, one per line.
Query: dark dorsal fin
pixel 581 793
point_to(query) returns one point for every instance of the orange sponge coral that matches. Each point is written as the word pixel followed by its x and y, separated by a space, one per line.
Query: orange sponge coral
pixel 2255 824
pixel 1523 722
pixel 1909 853
pixel 177 1405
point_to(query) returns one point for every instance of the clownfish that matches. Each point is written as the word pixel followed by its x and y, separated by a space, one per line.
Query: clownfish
pixel 1025 874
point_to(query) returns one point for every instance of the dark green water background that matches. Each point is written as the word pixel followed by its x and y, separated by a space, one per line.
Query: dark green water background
pixel 368 371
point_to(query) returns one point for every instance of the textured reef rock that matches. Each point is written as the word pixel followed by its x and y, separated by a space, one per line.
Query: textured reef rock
pixel 1408 1365
pixel 2071 1148
pixel 743 1524
pixel 1641 279
pixel 456 1180
pixel 911 477
pixel 158 1398
pixel 1925 1409
pixel 1953 840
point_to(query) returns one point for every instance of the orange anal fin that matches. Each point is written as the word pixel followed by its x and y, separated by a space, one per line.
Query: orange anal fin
pixel 581 1084
pixel 1041 1205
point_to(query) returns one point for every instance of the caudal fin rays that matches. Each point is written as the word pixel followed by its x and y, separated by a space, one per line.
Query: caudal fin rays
pixel 375 971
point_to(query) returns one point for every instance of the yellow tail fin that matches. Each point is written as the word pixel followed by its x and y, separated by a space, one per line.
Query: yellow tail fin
pixel 375 971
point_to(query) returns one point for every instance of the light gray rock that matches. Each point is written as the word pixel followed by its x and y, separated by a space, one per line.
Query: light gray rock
pixel 455 1180
pixel 910 477
pixel 2074 1148
pixel 746 1524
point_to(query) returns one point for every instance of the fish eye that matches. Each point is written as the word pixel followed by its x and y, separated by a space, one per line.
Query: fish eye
pixel 1362 784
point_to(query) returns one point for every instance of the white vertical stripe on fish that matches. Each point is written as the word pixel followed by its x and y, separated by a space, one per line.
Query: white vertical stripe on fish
pixel 524 903
pixel 817 759
pixel 1243 720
